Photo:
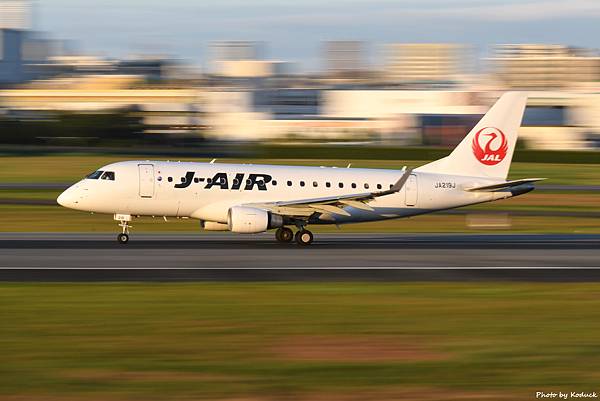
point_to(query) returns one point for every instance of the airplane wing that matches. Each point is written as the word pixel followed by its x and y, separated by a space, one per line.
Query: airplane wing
pixel 503 185
pixel 330 204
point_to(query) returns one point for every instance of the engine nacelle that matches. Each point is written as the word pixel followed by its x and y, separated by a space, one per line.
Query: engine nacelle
pixel 250 220
pixel 214 226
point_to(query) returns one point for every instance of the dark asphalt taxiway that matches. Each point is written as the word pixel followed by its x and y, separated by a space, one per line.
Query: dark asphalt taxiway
pixel 380 257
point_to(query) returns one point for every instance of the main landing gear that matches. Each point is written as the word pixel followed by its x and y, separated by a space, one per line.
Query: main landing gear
pixel 284 234
pixel 302 237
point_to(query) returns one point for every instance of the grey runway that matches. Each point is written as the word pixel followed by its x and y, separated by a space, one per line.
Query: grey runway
pixel 223 257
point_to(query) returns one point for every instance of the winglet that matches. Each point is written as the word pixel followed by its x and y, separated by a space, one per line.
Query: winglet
pixel 397 186
pixel 400 183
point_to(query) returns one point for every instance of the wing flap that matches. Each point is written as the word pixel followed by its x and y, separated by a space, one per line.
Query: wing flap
pixel 330 209
pixel 357 204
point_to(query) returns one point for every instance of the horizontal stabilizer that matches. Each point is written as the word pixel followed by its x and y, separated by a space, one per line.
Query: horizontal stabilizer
pixel 504 185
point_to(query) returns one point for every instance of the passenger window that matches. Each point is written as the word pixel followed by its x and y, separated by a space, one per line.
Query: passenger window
pixel 366 186
pixel 236 182
pixel 170 179
pixel 274 182
pixel 301 183
pixel 196 180
pixel 95 175
pixel 379 186
pixel 209 180
pixel 289 183
pixel 353 185
pixel 391 186
pixel 328 184
pixel 182 179
pixel 108 175
pixel 315 184
pixel 341 185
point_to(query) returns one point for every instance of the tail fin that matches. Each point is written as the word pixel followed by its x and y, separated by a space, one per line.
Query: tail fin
pixel 488 149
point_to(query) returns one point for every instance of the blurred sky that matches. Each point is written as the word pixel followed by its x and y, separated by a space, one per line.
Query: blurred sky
pixel 295 29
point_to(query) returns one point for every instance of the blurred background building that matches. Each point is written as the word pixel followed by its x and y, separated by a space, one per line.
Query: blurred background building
pixel 344 57
pixel 243 59
pixel 411 94
pixel 15 14
pixel 542 67
pixel 427 63
pixel 12 65
pixel 233 50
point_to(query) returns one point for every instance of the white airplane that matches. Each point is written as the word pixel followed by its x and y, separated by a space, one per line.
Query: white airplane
pixel 246 198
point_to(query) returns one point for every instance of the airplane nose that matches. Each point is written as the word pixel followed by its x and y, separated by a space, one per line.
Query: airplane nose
pixel 63 199
pixel 68 198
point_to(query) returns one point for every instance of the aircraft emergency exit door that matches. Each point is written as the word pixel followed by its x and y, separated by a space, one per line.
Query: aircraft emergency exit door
pixel 412 190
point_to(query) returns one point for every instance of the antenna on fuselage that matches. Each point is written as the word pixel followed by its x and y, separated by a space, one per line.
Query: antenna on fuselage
pixel 213 161
pixel 349 164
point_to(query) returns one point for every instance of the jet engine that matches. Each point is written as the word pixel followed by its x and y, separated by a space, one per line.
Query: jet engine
pixel 249 220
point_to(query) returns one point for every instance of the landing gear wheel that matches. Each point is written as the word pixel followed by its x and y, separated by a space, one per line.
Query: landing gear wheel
pixel 122 238
pixel 284 234
pixel 304 237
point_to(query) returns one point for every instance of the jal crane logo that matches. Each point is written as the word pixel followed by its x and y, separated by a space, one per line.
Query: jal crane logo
pixel 494 148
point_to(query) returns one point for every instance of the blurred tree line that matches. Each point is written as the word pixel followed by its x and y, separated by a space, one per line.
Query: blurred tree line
pixel 64 128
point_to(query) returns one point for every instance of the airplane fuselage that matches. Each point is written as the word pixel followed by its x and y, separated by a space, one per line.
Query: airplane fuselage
pixel 206 191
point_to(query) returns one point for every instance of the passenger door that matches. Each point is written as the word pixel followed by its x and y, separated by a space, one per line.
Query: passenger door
pixel 146 172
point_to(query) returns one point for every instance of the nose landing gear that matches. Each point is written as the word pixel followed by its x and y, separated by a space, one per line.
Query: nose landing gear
pixel 123 238
pixel 124 220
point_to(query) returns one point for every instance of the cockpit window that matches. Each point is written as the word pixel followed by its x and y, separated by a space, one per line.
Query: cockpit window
pixel 95 175
pixel 108 175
